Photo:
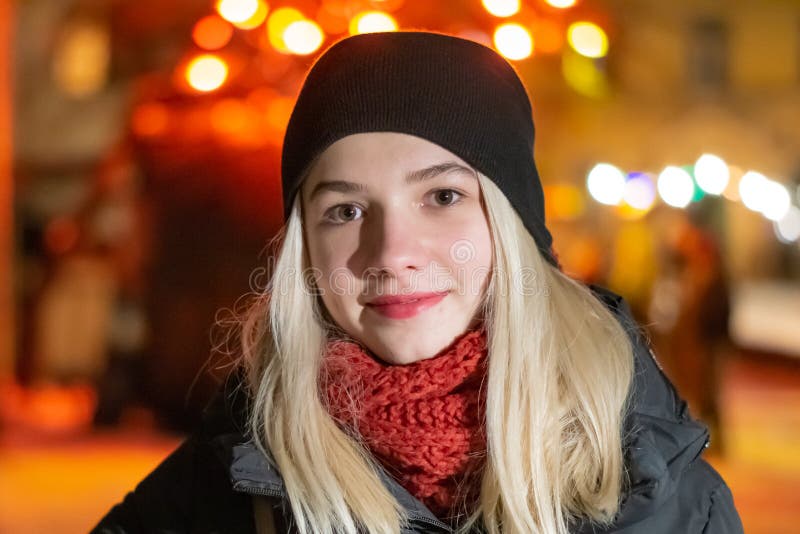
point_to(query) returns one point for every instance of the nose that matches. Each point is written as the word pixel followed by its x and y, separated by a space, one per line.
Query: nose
pixel 395 245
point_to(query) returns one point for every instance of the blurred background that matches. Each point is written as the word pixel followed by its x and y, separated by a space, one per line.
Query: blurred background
pixel 139 185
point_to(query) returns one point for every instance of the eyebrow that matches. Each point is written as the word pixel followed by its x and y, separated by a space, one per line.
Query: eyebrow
pixel 413 177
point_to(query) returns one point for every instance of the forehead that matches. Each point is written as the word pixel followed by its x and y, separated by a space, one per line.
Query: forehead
pixel 386 151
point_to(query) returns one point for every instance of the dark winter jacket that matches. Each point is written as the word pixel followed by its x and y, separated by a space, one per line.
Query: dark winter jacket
pixel 208 483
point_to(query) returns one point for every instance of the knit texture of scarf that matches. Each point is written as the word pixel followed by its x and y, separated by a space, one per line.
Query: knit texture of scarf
pixel 421 421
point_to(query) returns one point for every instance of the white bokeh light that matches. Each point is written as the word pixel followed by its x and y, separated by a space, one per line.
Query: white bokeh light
pixel 788 228
pixel 712 174
pixel 502 8
pixel 752 188
pixel 676 187
pixel 640 193
pixel 776 202
pixel 606 184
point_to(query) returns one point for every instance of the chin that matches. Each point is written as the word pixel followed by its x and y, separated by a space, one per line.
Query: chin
pixel 413 348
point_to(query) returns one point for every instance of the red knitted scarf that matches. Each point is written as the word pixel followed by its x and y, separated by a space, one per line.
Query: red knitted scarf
pixel 421 421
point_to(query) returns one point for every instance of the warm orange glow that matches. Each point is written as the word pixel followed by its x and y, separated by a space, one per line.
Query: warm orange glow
pixel 303 37
pixel 502 8
pixel 549 36
pixel 237 11
pixel 54 408
pixel 260 98
pixel 513 41
pixel 371 22
pixel 239 122
pixel 331 20
pixel 565 201
pixel 206 72
pixel 230 116
pixel 150 120
pixel 388 5
pixel 257 19
pixel 212 32
pixel 278 113
pixel 278 21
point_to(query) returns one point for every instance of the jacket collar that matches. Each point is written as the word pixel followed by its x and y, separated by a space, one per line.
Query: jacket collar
pixel 661 437
pixel 252 472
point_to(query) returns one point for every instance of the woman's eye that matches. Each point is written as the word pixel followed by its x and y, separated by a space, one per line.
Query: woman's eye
pixel 343 213
pixel 447 197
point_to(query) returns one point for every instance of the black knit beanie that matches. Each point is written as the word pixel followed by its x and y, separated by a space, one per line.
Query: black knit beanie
pixel 456 93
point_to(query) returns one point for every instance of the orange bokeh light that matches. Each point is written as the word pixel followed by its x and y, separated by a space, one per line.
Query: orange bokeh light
pixel 277 23
pixel 372 21
pixel 212 32
pixel 276 26
pixel 206 73
pixel 256 19
pixel 513 41
pixel 237 11
pixel 150 120
pixel 303 37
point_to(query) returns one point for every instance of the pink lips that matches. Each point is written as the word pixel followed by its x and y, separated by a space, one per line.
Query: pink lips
pixel 405 306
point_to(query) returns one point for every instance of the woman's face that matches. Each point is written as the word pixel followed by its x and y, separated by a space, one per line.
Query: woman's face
pixel 399 242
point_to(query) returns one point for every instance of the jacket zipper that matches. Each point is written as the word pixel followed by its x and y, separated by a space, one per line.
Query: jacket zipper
pixel 434 522
pixel 252 490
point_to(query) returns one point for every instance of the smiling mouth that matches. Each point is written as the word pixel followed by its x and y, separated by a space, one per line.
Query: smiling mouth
pixel 405 307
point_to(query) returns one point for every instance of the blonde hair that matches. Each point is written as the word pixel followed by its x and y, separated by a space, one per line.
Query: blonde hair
pixel 560 368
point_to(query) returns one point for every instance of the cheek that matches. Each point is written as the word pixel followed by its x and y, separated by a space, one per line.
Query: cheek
pixel 333 277
pixel 468 255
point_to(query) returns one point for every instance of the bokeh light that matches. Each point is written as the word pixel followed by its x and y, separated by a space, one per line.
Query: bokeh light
pixel 81 58
pixel 303 37
pixel 206 72
pixel 278 21
pixel 502 8
pixel 588 39
pixel 777 201
pixel 676 187
pixel 787 229
pixel 561 4
pixel 256 19
pixel 606 184
pixel 237 11
pixel 712 174
pixel 212 32
pixel 751 190
pixel 640 192
pixel 372 22
pixel 513 41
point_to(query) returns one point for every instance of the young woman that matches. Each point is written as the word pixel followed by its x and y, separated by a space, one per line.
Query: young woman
pixel 419 362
